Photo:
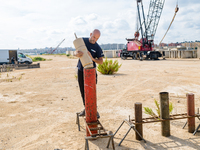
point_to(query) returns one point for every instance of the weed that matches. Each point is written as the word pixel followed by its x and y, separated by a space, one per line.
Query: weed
pixel 109 67
pixel 150 112
pixel 76 76
pixel 7 75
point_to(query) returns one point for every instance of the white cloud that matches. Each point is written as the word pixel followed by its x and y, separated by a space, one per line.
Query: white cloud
pixel 45 23
pixel 92 17
pixel 78 21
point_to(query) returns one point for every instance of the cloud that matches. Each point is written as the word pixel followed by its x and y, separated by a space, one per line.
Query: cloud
pixel 121 24
pixel 92 17
pixel 18 38
pixel 79 20
pixel 45 23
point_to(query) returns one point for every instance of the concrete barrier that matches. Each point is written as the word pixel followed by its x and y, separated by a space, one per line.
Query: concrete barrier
pixel 180 53
pixel 168 53
pixel 110 53
pixel 70 53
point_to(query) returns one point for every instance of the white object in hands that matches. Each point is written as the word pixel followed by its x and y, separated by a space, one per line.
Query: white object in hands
pixel 85 59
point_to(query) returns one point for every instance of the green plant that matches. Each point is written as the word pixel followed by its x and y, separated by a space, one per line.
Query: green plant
pixel 68 55
pixel 7 75
pixel 38 59
pixel 109 67
pixel 76 76
pixel 150 112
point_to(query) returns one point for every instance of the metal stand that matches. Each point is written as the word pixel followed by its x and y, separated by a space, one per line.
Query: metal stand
pixel 101 132
pixel 197 129
pixel 77 121
pixel 131 125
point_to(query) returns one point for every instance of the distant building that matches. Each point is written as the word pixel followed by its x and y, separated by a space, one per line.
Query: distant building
pixel 191 44
pixel 113 46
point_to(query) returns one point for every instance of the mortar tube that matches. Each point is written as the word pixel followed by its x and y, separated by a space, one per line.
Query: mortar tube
pixel 90 98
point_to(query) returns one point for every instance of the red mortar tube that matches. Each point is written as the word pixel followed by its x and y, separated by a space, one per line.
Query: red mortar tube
pixel 90 98
pixel 191 112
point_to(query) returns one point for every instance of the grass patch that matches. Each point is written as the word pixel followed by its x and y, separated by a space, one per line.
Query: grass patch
pixel 35 59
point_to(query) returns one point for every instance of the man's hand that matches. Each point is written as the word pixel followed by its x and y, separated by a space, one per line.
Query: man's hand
pixel 78 54
pixel 98 60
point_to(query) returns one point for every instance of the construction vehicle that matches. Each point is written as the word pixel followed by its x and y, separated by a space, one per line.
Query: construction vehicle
pixel 143 48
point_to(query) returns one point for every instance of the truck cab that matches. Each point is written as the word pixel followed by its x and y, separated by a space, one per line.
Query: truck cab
pixel 24 59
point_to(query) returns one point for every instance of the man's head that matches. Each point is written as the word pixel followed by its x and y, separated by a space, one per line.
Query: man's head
pixel 94 36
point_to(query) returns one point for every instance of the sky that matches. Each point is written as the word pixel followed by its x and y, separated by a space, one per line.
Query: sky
pixel 28 24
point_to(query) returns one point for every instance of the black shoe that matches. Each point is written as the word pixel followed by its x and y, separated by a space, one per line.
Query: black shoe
pixel 98 116
pixel 82 114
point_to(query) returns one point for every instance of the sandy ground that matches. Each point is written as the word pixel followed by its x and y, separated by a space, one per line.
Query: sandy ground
pixel 38 108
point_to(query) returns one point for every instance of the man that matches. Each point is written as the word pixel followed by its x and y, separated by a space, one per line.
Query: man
pixel 96 54
pixel 13 60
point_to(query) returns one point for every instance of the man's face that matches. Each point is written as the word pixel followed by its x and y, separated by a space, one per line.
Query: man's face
pixel 94 37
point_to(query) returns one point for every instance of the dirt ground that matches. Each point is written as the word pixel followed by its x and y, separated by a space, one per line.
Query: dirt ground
pixel 38 108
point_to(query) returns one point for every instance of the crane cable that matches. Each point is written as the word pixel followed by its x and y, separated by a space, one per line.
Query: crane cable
pixel 176 10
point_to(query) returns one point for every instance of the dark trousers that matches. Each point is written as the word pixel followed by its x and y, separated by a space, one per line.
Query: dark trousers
pixel 81 84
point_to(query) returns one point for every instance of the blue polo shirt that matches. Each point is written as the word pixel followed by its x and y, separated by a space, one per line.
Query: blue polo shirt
pixel 95 51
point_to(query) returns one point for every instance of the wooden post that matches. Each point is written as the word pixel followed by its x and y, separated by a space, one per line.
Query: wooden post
pixel 191 112
pixel 164 113
pixel 138 119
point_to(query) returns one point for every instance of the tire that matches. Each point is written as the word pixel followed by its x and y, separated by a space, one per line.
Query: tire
pixel 26 62
pixel 122 57
pixel 134 56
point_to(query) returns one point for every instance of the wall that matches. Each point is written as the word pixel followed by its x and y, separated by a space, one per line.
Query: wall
pixel 180 53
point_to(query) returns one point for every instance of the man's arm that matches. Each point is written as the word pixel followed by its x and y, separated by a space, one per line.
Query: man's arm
pixel 98 60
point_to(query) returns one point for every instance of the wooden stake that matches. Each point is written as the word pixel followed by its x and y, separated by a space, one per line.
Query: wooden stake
pixel 138 119
pixel 164 113
pixel 191 112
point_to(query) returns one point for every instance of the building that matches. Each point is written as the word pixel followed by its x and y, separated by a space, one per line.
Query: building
pixel 191 44
pixel 113 46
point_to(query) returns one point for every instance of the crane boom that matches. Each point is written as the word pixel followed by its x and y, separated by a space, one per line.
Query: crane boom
pixel 153 17
pixel 57 46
